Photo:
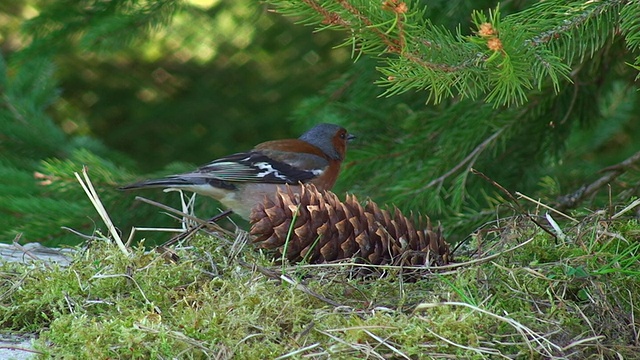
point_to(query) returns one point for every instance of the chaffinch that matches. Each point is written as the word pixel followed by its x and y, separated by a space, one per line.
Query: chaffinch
pixel 242 180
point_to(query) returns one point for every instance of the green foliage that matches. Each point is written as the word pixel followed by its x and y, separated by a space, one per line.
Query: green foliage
pixel 162 81
pixel 530 48
pixel 559 67
pixel 96 25
pixel 40 194
pixel 171 76
pixel 26 96
pixel 538 96
pixel 630 26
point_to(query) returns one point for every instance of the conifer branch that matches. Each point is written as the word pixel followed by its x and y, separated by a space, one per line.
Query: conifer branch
pixel 330 18
pixel 470 159
pixel 573 23
pixel 14 111
pixel 393 46
pixel 523 51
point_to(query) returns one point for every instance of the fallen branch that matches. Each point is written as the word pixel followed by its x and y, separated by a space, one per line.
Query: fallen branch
pixel 572 200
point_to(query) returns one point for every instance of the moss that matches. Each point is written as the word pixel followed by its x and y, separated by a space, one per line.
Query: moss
pixel 572 298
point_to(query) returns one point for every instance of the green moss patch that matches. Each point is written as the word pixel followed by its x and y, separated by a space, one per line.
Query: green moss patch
pixel 519 292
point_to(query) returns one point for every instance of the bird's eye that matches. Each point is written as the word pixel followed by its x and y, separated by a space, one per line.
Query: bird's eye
pixel 343 135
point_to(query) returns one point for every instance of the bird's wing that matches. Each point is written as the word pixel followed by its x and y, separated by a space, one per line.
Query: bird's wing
pixel 258 166
pixel 278 167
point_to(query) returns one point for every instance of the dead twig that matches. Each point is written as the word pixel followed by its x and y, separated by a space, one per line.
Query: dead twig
pixel 497 185
pixel 17 348
pixel 572 200
pixel 190 232
pixel 513 199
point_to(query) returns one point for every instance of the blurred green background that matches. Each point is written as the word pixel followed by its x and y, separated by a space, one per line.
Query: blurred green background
pixel 137 89
pixel 150 88
pixel 221 77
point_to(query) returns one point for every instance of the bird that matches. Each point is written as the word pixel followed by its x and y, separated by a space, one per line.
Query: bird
pixel 242 180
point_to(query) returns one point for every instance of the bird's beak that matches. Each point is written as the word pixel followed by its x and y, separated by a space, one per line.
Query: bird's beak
pixel 350 137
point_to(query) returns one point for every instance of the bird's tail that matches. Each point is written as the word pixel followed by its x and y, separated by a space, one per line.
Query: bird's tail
pixel 188 181
pixel 168 182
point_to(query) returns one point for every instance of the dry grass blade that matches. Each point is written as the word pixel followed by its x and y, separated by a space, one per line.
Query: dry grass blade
pixel 178 336
pixel 544 347
pixel 361 348
pixel 241 240
pixel 627 208
pixel 478 350
pixel 187 207
pixel 307 291
pixel 297 351
pixel 205 223
pixel 441 268
pixel 559 233
pixel 190 223
pixel 88 188
pixel 172 210
pixel 298 286
pixel 126 276
pixel 546 206
pixel 386 344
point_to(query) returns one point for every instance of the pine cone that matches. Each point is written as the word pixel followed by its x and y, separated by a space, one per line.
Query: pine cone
pixel 325 229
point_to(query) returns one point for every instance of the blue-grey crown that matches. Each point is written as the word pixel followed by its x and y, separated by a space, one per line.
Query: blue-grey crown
pixel 321 136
